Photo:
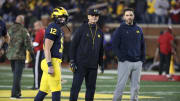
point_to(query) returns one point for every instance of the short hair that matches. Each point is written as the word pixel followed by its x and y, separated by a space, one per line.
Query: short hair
pixel 128 9
pixel 20 19
pixel 39 23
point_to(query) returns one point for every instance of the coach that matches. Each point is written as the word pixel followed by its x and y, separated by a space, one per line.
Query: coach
pixel 86 53
pixel 129 47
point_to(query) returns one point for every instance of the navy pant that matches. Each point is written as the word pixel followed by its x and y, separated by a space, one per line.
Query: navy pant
pixel 164 63
pixel 90 75
pixel 17 69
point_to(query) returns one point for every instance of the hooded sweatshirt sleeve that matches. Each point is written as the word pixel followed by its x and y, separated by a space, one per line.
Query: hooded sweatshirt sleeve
pixel 116 42
pixel 143 52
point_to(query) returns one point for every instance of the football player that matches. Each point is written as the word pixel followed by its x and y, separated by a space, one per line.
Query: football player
pixel 53 48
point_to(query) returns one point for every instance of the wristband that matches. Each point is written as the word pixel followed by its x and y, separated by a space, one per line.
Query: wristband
pixel 49 64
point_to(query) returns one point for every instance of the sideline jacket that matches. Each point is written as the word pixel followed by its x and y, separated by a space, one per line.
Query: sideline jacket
pixel 128 43
pixel 82 49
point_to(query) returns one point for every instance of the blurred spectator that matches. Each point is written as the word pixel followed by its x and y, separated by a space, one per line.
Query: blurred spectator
pixel 1 4
pixel 150 13
pixel 108 50
pixel 45 19
pixel 175 12
pixel 38 48
pixel 9 10
pixel 80 15
pixel 140 10
pixel 112 7
pixel 165 42
pixel 129 3
pixel 4 40
pixel 37 8
pixel 20 38
pixel 105 17
pixel 120 7
pixel 21 8
pixel 161 11
pixel 46 8
pixel 29 20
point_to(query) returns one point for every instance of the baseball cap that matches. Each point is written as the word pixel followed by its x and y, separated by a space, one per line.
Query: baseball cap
pixel 93 12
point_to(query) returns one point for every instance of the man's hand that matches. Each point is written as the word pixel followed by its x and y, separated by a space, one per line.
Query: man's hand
pixel 173 51
pixel 2 52
pixel 33 59
pixel 50 70
pixel 73 66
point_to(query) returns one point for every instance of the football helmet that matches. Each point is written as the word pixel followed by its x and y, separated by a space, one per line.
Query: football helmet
pixel 59 14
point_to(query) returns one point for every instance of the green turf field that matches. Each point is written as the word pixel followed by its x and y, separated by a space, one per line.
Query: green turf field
pixel 149 91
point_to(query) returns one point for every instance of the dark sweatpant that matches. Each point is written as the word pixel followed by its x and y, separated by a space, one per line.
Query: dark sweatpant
pixel 17 69
pixel 90 75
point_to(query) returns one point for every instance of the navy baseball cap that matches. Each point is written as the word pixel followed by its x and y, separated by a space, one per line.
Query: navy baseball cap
pixel 93 12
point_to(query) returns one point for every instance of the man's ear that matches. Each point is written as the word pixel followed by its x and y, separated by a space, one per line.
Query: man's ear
pixel 88 17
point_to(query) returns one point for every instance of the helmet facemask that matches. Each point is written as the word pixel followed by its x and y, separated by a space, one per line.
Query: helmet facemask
pixel 61 19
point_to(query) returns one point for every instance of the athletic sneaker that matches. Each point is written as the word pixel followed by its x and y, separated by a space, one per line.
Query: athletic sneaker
pixel 15 97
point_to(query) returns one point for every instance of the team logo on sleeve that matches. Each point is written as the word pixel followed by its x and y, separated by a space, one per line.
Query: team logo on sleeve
pixel 99 35
pixel 87 35
pixel 137 32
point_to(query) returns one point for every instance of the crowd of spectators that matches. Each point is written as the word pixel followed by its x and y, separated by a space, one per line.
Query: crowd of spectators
pixel 147 11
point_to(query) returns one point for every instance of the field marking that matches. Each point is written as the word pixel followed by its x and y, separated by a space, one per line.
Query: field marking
pixel 9 68
pixel 105 71
pixel 29 80
pixel 110 86
pixel 157 92
pixel 5 86
pixel 104 92
pixel 28 75
pixel 32 93
pixel 152 86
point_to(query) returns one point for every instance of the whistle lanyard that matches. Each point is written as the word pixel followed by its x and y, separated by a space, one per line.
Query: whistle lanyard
pixel 93 35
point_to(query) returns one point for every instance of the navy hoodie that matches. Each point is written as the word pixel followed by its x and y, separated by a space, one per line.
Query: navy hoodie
pixel 128 43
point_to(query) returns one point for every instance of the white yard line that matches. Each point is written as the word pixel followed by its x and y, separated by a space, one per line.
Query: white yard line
pixel 5 80
pixel 157 92
pixel 105 72
pixel 126 92
pixel 63 76
pixel 9 68
pixel 145 86
pixel 110 86
pixel 7 86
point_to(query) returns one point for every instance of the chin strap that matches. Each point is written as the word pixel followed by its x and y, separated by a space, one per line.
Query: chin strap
pixel 67 27
pixel 61 23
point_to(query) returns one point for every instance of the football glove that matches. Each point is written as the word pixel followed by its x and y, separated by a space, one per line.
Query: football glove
pixel 73 66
